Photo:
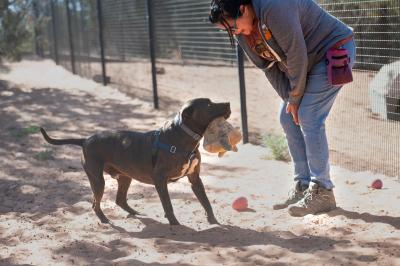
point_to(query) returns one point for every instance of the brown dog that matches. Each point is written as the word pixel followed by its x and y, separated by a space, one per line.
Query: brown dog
pixel 156 157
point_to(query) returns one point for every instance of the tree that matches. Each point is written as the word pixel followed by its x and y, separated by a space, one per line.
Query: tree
pixel 15 28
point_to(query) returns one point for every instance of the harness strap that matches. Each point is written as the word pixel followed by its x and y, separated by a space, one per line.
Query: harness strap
pixel 157 145
pixel 191 157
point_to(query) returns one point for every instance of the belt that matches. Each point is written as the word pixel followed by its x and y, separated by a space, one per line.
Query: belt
pixel 342 42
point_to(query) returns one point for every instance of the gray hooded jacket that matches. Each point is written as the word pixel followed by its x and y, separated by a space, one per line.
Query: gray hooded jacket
pixel 302 32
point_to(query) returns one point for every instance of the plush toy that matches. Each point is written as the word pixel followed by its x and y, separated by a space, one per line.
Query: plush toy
pixel 220 137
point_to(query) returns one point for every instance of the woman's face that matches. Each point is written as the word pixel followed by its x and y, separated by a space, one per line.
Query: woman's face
pixel 244 24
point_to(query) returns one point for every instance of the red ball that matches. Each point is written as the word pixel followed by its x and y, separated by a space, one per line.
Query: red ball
pixel 377 184
pixel 240 204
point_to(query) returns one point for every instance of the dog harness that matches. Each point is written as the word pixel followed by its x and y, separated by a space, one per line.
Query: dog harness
pixel 157 146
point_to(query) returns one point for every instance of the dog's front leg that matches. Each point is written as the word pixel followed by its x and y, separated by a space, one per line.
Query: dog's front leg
pixel 162 190
pixel 198 189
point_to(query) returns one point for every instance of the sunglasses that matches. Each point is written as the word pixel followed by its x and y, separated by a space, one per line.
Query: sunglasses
pixel 230 29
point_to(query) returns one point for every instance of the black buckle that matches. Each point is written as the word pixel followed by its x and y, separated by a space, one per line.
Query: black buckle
pixel 172 149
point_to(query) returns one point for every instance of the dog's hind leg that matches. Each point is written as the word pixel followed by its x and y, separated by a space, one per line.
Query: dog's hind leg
pixel 94 171
pixel 121 200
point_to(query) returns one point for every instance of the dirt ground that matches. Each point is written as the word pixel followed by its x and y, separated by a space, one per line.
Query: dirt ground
pixel 45 197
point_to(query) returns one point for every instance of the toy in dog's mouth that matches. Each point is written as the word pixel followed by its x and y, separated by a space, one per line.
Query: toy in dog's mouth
pixel 221 136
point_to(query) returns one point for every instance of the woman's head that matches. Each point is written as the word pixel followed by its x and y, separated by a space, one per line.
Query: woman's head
pixel 235 16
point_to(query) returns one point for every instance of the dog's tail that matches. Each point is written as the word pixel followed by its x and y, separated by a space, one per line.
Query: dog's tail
pixel 78 142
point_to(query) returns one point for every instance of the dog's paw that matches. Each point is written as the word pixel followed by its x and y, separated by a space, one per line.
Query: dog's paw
pixel 104 220
pixel 174 222
pixel 213 220
pixel 135 216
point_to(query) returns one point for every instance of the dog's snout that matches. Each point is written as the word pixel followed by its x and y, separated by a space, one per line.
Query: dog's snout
pixel 221 109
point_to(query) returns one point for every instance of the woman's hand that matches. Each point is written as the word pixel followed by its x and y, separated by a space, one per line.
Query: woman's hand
pixel 293 109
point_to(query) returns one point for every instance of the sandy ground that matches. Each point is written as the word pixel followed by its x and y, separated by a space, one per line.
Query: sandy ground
pixel 45 209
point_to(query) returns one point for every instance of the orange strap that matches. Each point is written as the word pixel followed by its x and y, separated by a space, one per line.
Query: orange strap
pixel 342 42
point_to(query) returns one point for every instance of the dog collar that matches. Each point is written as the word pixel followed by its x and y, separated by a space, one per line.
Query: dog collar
pixel 185 128
pixel 188 131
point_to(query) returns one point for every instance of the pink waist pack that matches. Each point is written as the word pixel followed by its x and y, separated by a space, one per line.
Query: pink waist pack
pixel 338 66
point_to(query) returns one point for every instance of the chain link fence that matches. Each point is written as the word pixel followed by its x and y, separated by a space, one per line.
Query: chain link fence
pixel 167 51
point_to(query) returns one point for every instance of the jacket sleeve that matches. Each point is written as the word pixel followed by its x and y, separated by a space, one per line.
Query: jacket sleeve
pixel 283 19
pixel 275 76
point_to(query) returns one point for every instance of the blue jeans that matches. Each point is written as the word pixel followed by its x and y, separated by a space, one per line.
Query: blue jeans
pixel 308 145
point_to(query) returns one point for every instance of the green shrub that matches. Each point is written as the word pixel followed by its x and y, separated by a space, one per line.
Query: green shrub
pixel 23 132
pixel 278 146
pixel 44 155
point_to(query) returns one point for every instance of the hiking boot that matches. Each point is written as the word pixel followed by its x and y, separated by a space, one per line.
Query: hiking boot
pixel 316 199
pixel 295 194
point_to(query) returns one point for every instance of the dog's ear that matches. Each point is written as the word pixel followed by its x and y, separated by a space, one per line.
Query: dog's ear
pixel 187 112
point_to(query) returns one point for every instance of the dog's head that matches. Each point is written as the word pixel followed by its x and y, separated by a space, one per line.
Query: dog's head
pixel 198 113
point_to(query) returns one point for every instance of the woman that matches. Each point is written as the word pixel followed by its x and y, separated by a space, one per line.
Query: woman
pixel 289 41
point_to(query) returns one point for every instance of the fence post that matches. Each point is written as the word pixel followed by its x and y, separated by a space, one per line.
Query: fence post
pixel 150 20
pixel 101 39
pixel 55 41
pixel 71 43
pixel 242 84
pixel 122 33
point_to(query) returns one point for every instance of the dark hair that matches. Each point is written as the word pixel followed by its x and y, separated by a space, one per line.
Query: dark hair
pixel 220 10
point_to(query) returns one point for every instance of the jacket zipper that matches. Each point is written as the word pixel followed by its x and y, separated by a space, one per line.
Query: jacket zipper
pixel 260 30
